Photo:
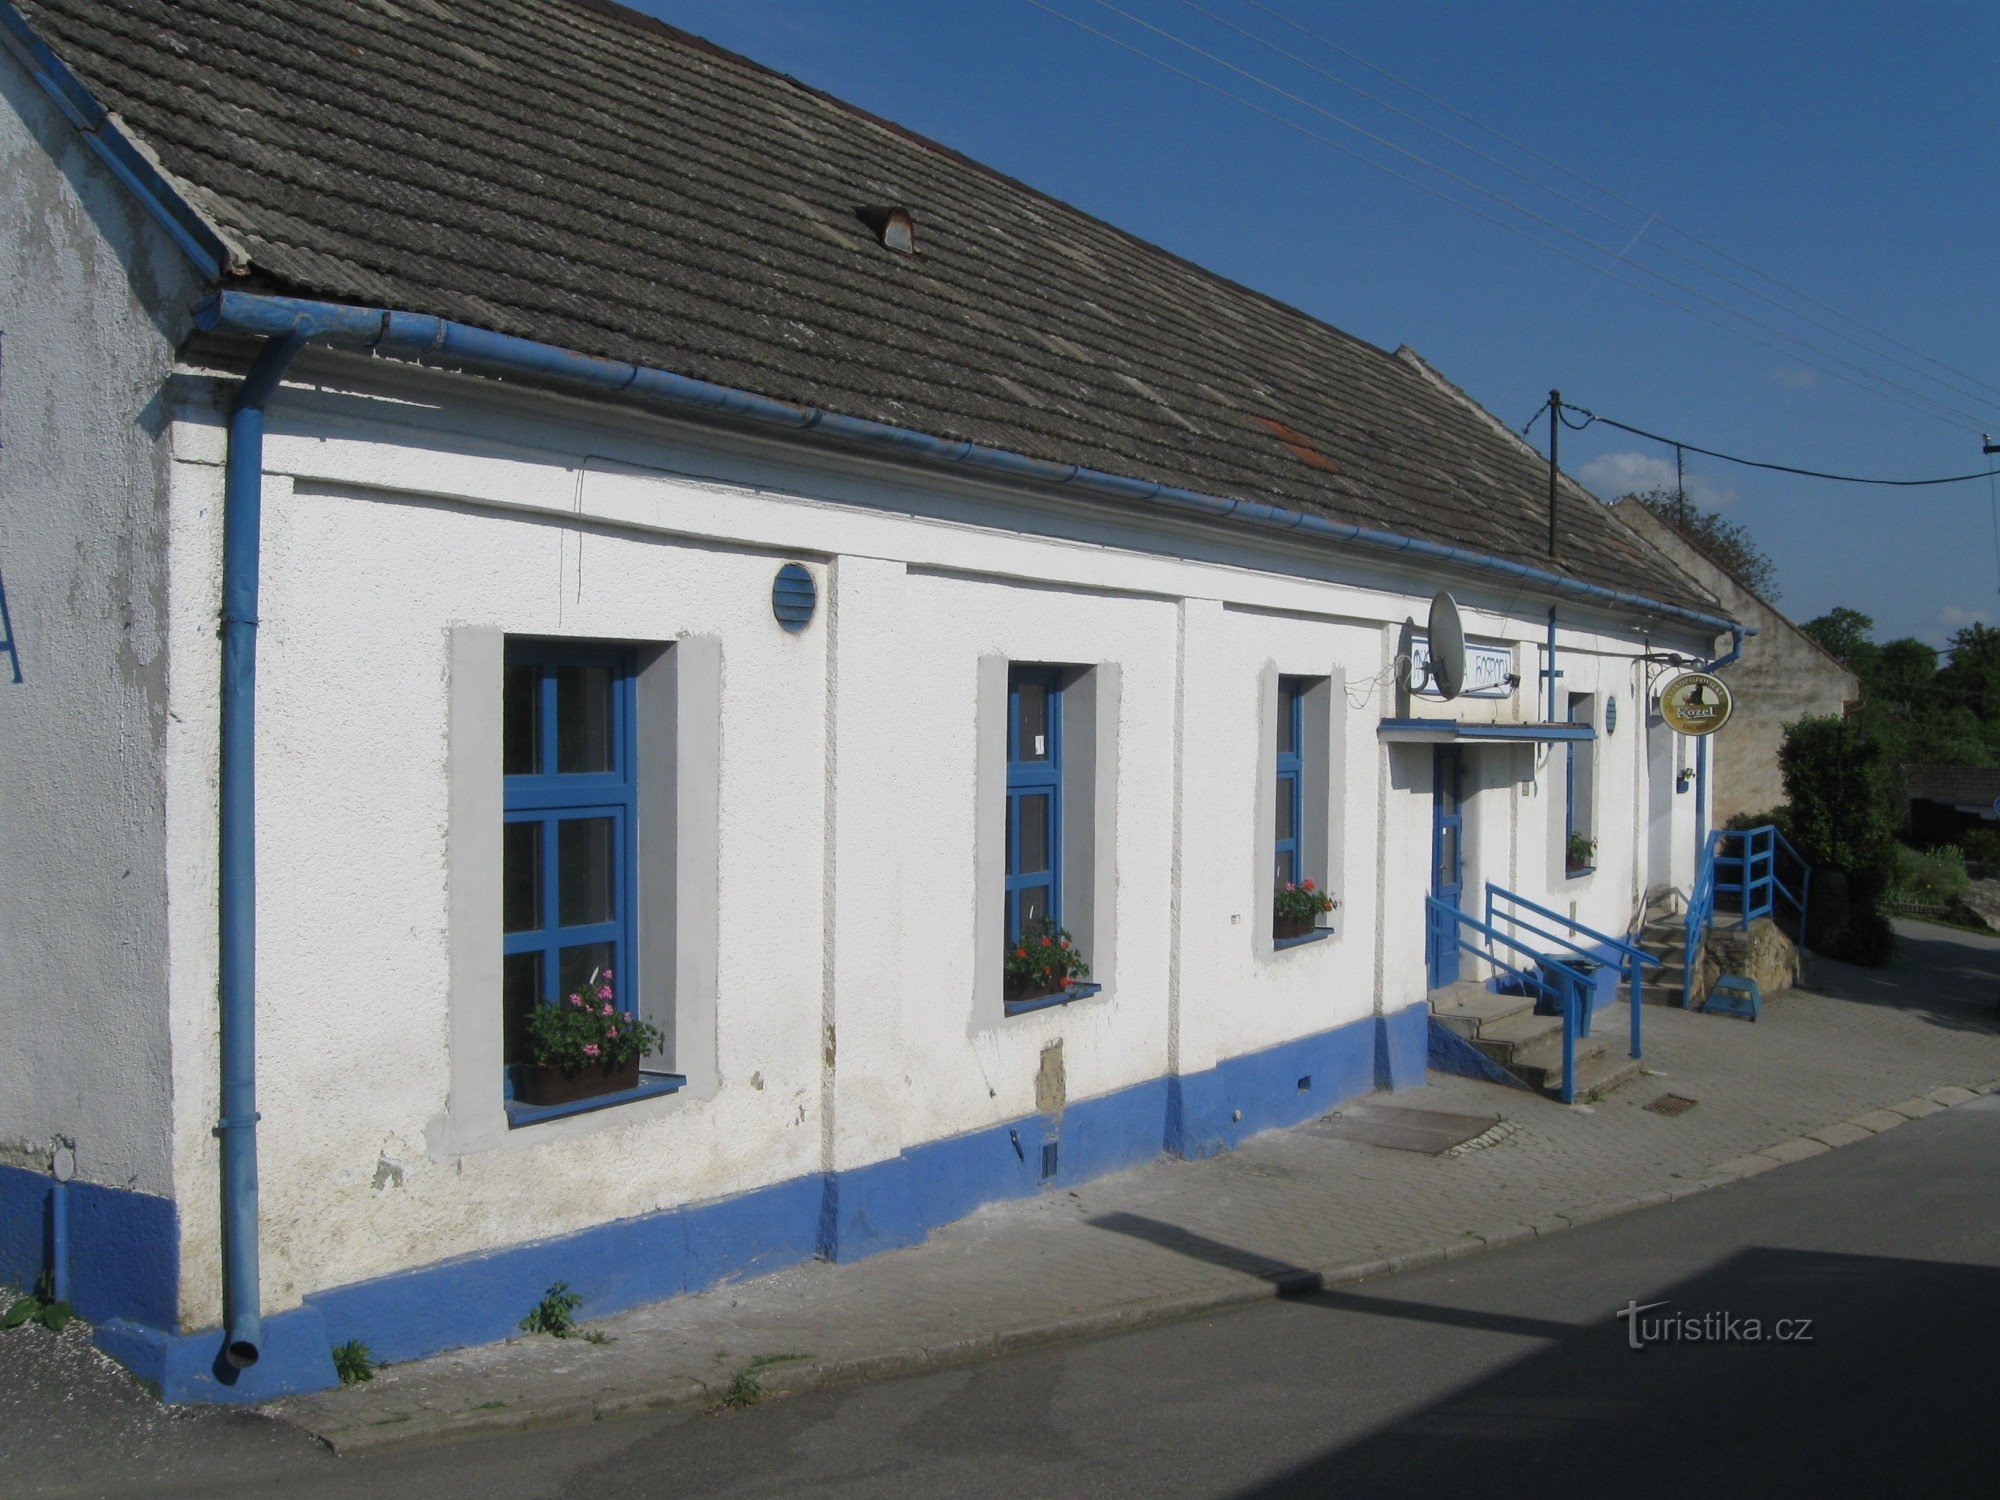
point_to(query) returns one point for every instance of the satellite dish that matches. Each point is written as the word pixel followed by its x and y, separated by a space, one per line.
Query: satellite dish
pixel 1447 646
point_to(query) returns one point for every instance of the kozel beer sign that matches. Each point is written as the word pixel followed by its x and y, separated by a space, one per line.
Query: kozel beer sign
pixel 1695 703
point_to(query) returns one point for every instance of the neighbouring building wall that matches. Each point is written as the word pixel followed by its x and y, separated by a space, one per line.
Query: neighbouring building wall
pixel 84 1051
pixel 1783 676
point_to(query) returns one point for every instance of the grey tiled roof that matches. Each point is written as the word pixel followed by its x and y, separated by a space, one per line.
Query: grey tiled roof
pixel 569 172
pixel 1963 786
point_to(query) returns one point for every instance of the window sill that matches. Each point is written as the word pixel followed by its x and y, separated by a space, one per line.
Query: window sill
pixel 651 1086
pixel 1081 991
pixel 1318 934
pixel 1577 872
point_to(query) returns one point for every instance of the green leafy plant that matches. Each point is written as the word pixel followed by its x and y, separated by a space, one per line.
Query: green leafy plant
pixel 1303 902
pixel 746 1388
pixel 39 1306
pixel 1045 960
pixel 596 1336
pixel 353 1363
pixel 586 1029
pixel 1580 850
pixel 555 1314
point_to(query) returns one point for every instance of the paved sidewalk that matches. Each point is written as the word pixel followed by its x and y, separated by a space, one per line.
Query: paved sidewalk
pixel 1860 1054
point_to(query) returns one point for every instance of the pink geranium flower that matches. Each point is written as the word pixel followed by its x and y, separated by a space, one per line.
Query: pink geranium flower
pixel 590 1049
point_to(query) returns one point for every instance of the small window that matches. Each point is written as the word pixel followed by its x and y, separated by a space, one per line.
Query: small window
pixel 1291 764
pixel 1579 789
pixel 566 849
pixel 1034 801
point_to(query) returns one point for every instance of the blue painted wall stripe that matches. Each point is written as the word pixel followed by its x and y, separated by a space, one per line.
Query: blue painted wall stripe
pixel 126 1244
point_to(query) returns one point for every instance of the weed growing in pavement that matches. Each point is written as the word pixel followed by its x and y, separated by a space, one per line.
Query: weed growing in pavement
pixel 555 1314
pixel 353 1363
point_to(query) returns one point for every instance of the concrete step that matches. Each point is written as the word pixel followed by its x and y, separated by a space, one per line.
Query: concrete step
pixel 1604 1073
pixel 1662 992
pixel 1537 1061
pixel 1468 1007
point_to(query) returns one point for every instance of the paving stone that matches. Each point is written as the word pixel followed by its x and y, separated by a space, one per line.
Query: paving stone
pixel 1286 1209
pixel 1879 1120
pixel 1843 1134
pixel 1797 1149
pixel 1951 1095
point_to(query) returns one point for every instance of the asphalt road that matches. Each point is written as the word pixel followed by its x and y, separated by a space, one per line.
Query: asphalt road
pixel 1502 1374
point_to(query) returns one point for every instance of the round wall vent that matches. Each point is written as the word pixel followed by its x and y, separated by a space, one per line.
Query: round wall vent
pixel 1610 714
pixel 793 596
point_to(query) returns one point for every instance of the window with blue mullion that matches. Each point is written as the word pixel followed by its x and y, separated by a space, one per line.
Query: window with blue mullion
pixel 1034 800
pixel 566 859
pixel 1291 766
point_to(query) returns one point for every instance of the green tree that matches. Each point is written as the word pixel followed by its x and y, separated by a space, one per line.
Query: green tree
pixel 1722 542
pixel 1845 633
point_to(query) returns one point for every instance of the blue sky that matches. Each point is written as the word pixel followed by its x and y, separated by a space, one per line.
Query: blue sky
pixel 1845 149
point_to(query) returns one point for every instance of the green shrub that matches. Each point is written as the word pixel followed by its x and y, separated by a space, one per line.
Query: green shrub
pixel 1839 814
pixel 1981 845
pixel 1928 877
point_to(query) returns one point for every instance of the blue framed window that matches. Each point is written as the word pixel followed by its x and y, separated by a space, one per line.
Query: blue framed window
pixel 1291 777
pixel 1034 799
pixel 567 853
pixel 1578 847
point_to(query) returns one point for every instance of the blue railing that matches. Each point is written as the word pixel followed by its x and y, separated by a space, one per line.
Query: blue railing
pixel 1700 912
pixel 1742 863
pixel 1443 924
pixel 1754 879
pixel 1503 905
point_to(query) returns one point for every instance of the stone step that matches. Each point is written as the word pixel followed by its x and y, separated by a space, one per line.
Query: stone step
pixel 1663 992
pixel 1468 1007
pixel 1539 1064
pixel 1604 1073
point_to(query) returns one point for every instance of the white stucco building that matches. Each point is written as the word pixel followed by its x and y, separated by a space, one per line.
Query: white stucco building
pixel 545 426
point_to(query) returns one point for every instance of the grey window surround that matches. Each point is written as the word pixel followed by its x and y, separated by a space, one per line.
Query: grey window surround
pixel 1089 831
pixel 1322 813
pixel 678 709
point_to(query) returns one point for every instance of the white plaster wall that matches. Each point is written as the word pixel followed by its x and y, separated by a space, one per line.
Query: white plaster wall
pixel 1238 994
pixel 83 1034
pixel 399 506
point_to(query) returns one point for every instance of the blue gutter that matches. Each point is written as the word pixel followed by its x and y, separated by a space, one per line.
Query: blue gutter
pixel 161 200
pixel 418 336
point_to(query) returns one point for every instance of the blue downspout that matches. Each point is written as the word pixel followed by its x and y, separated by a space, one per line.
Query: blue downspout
pixel 242 490
pixel 1736 634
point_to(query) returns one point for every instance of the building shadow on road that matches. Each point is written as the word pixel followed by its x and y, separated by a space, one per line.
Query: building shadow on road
pixel 1889 1390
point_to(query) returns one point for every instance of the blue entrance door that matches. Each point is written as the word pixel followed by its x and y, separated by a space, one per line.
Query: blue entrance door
pixel 1447 855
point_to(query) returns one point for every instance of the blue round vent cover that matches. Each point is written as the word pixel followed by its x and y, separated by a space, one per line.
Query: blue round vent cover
pixel 1610 714
pixel 793 596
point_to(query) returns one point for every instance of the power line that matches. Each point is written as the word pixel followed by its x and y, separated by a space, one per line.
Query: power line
pixel 1932 407
pixel 1623 202
pixel 1619 224
pixel 1590 416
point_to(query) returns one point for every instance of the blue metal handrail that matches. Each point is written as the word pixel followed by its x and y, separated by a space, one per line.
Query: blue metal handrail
pixel 1755 884
pixel 1444 921
pixel 1633 958
pixel 1700 912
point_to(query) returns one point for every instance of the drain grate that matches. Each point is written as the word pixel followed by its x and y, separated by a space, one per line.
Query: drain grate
pixel 1671 1104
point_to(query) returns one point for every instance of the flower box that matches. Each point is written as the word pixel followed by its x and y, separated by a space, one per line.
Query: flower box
pixel 541 1083
pixel 1292 927
pixel 1019 988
